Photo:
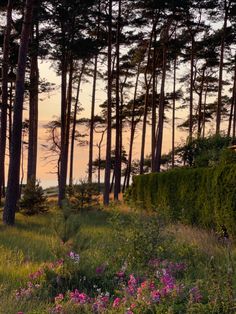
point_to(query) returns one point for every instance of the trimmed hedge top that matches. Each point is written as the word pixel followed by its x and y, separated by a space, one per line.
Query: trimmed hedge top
pixel 202 196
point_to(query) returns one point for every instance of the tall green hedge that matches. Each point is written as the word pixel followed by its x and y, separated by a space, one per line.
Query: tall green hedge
pixel 202 196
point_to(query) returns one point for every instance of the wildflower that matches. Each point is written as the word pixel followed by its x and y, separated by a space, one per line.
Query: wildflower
pixel 152 285
pixel 195 295
pixel 78 297
pixel 132 280
pixel 36 274
pixel 74 256
pixel 155 296
pixel 167 280
pixel 132 306
pixel 58 309
pixel 59 298
pixel 144 284
pixel 116 302
pixel 120 274
pixel 100 269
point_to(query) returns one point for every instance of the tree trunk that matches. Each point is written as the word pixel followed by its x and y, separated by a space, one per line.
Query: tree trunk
pixel 204 112
pixel 132 130
pixel 159 137
pixel 154 115
pixel 33 104
pixel 234 122
pixel 68 115
pixel 63 157
pixel 91 141
pixel 14 165
pixel 10 116
pixel 74 128
pixel 147 83
pixel 118 148
pixel 3 130
pixel 200 122
pixel 173 115
pixel 90 169
pixel 221 65
pixel 232 102
pixel 191 90
pixel 109 111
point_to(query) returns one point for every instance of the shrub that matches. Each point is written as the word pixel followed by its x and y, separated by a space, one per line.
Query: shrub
pixel 84 195
pixel 34 200
pixel 203 196
pixel 138 238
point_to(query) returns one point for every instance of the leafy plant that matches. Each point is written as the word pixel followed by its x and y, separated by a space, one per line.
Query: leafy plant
pixel 84 195
pixel 34 200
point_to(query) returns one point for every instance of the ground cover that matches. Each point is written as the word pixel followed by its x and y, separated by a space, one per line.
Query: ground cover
pixel 113 261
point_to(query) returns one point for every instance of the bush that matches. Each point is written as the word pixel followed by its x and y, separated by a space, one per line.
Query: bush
pixel 202 196
pixel 138 238
pixel 33 201
pixel 84 195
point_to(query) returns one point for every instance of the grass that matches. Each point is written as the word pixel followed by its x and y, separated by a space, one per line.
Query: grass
pixel 32 241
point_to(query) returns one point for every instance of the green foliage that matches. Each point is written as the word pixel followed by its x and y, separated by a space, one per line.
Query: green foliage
pixel 202 196
pixel 203 152
pixel 34 200
pixel 84 195
pixel 66 223
pixel 138 238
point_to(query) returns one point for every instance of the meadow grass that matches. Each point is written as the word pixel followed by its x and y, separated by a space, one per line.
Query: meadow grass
pixel 31 242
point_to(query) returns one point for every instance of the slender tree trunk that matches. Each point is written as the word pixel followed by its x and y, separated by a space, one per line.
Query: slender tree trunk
pixel 91 141
pixel 68 114
pixel 221 66
pixel 204 112
pixel 173 115
pixel 112 181
pixel 99 160
pixel 14 166
pixel 232 102
pixel 191 89
pixel 63 157
pixel 159 137
pixel 154 116
pixel 22 165
pixel 109 105
pixel 146 103
pixel 90 170
pixel 74 128
pixel 10 116
pixel 234 122
pixel 132 130
pixel 33 104
pixel 200 121
pixel 118 148
pixel 3 129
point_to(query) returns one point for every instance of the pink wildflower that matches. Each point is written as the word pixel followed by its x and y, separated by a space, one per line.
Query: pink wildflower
pixel 195 294
pixel 78 297
pixel 58 309
pixel 59 298
pixel 155 295
pixel 116 302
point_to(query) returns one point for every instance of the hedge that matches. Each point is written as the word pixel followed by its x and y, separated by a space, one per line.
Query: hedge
pixel 201 196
